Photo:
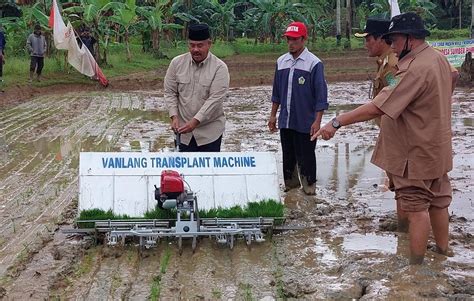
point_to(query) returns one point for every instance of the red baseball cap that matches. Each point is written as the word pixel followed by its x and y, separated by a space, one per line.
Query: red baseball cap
pixel 296 30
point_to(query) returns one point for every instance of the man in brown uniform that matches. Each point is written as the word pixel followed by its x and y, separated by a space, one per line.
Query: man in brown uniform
pixel 386 69
pixel 414 144
pixel 380 48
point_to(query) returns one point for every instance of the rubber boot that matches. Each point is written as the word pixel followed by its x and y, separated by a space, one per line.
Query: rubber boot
pixel 31 76
pixel 294 182
pixel 309 189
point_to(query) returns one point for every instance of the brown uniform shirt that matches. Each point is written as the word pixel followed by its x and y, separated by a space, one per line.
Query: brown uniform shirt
pixel 415 133
pixel 198 91
pixel 385 71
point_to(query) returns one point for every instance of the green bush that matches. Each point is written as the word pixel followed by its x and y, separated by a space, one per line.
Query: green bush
pixel 248 46
pixel 455 34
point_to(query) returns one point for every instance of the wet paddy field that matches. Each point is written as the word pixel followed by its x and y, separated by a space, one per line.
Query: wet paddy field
pixel 347 247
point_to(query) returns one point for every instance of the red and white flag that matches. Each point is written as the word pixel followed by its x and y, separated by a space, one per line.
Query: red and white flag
pixel 79 57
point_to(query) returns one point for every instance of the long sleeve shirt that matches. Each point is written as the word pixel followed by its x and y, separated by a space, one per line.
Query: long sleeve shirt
pixel 300 88
pixel 36 45
pixel 198 91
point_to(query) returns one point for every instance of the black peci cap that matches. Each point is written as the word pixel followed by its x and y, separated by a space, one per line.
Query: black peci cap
pixel 375 27
pixel 199 32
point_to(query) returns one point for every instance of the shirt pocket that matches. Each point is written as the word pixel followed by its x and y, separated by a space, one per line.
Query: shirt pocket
pixel 204 88
pixel 184 87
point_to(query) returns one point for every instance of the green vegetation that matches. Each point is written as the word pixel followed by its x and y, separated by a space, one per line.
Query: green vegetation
pixel 156 283
pixel 217 294
pixel 452 34
pixel 246 292
pixel 266 208
pixel 99 214
pixel 86 264
pixel 136 36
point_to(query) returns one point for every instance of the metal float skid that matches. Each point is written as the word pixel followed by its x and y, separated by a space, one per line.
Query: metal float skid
pixel 172 195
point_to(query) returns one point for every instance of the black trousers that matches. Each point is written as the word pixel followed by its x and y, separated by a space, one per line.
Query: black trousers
pixel 298 150
pixel 37 64
pixel 193 147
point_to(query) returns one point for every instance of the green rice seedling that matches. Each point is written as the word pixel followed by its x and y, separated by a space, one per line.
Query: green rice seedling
pixel 156 283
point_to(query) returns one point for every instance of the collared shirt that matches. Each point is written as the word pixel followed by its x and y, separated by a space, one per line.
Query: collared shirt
pixel 198 91
pixel 300 88
pixel 385 71
pixel 415 133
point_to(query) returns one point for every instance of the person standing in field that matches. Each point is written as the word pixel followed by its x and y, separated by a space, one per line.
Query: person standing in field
pixel 36 45
pixel 414 146
pixel 300 92
pixel 196 85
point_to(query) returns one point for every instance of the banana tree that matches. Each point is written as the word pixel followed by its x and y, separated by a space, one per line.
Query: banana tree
pixel 272 15
pixel 318 15
pixel 153 18
pixel 96 14
pixel 16 32
pixel 223 15
pixel 126 16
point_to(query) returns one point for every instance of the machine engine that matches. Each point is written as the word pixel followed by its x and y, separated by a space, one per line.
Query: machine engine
pixel 172 193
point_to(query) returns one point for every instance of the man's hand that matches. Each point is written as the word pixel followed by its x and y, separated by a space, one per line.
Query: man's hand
pixel 272 124
pixel 189 126
pixel 174 123
pixel 315 127
pixel 326 132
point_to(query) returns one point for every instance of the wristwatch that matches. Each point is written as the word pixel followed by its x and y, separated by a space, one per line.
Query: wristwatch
pixel 335 123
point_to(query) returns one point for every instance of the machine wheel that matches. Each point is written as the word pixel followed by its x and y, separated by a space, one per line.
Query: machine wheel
pixel 231 241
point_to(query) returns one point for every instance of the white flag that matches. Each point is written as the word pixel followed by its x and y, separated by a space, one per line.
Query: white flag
pixel 78 57
pixel 394 9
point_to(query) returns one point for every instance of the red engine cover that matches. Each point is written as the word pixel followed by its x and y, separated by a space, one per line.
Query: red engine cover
pixel 171 182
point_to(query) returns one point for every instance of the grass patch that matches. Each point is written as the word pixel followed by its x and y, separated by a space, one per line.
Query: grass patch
pixel 217 294
pixel 85 267
pixel 246 292
pixel 278 274
pixel 156 283
pixel 266 208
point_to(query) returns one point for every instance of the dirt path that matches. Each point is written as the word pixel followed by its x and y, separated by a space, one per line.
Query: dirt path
pixel 348 249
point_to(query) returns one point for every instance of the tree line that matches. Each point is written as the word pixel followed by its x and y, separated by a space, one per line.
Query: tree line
pixel 262 21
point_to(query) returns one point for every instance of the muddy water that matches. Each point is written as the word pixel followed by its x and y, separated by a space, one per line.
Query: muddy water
pixel 348 248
